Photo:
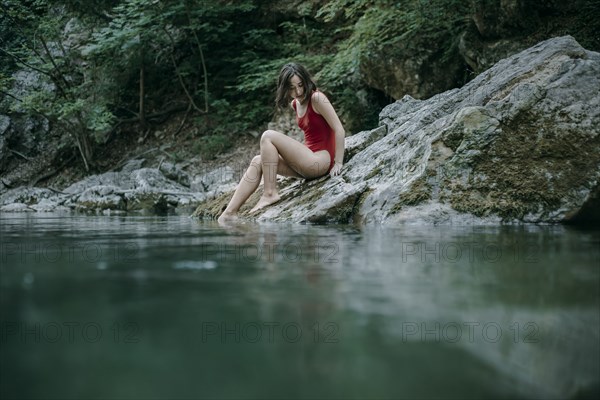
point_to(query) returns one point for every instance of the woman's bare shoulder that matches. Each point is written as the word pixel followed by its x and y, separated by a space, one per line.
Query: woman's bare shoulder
pixel 319 100
pixel 318 96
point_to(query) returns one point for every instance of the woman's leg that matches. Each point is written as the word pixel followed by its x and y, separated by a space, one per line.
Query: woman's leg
pixel 249 183
pixel 275 146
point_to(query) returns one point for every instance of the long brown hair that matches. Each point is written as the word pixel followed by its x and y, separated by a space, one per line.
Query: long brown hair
pixel 283 98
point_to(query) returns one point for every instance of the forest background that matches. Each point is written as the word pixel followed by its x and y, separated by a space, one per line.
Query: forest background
pixel 107 76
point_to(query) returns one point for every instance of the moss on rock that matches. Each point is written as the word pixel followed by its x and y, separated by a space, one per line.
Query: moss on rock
pixel 418 192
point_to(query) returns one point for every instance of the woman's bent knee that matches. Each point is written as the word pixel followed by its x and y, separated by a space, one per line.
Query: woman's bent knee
pixel 268 135
pixel 254 172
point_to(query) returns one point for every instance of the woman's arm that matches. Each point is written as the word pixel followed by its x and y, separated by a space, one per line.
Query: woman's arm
pixel 322 105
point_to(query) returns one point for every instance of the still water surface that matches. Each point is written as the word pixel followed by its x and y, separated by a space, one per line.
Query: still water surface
pixel 169 307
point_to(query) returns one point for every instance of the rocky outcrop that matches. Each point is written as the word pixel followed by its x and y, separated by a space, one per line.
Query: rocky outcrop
pixel 21 136
pixel 503 27
pixel 28 145
pixel 133 189
pixel 413 67
pixel 443 57
pixel 519 143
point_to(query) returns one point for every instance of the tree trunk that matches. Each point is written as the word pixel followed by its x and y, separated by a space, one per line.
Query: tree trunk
pixel 142 106
pixel 204 71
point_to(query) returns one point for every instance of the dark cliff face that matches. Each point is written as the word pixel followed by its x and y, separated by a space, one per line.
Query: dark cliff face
pixel 493 30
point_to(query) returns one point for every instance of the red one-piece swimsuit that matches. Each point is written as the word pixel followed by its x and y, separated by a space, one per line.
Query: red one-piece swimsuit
pixel 318 135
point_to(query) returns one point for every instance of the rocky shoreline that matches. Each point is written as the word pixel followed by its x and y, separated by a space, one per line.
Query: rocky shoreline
pixel 132 189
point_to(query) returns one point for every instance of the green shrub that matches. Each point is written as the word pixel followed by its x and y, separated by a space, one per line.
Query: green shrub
pixel 210 146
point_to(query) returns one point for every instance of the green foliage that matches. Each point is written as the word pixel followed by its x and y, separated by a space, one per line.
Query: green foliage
pixel 382 24
pixel 210 146
pixel 587 27
pixel 16 22
pixel 241 50
pixel 371 29
pixel 58 84
pixel 223 56
pixel 348 8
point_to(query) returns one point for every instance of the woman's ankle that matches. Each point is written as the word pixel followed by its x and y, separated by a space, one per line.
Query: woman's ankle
pixel 270 193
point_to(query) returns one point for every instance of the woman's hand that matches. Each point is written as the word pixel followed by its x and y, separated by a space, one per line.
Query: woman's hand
pixel 336 170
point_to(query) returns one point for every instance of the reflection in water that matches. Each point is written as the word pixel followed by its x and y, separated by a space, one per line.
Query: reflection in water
pixel 168 307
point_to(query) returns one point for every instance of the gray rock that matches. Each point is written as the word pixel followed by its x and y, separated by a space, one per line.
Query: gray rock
pixel 4 124
pixel 23 133
pixel 362 140
pixel 519 143
pixel 25 81
pixel 152 180
pixel 131 166
pixel 215 182
pixel 140 190
pixel 16 207
pixel 99 197
pixel 26 195
pixel 175 173
pixel 51 205
pixel 106 179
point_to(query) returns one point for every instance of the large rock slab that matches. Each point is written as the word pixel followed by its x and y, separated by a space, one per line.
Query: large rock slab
pixel 519 143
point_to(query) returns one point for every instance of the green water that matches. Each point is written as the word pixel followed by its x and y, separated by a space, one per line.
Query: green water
pixel 169 307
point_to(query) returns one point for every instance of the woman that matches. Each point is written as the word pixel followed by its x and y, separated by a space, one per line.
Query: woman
pixel 322 153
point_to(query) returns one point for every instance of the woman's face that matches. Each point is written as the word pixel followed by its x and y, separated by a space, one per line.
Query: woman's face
pixel 296 87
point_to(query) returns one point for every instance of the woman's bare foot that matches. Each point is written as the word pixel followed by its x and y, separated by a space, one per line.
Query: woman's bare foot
pixel 266 201
pixel 227 217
